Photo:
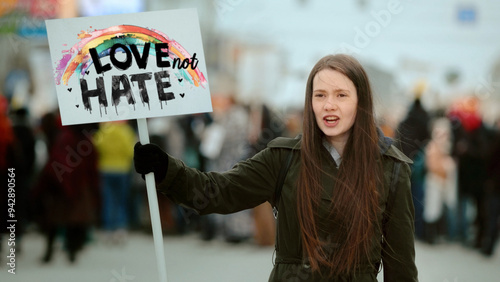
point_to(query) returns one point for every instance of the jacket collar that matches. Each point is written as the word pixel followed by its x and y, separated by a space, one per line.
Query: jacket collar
pixel 386 148
pixel 384 142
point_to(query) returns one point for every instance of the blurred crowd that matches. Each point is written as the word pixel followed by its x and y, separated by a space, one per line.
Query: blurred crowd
pixel 76 184
pixel 455 172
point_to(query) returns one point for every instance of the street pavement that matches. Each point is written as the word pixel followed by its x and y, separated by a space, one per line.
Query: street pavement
pixel 190 259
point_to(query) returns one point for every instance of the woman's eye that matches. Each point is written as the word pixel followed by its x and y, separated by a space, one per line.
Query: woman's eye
pixel 342 95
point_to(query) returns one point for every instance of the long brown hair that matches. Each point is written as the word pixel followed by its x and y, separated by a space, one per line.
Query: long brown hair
pixel 355 198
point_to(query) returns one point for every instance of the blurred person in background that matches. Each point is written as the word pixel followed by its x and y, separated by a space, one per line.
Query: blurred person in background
pixel 17 86
pixel 25 135
pixel 25 165
pixel 412 135
pixel 66 195
pixel 7 161
pixel 386 125
pixel 345 205
pixel 265 126
pixel 114 141
pixel 225 143
pixel 440 182
pixel 50 127
pixel 492 196
pixel 293 122
pixel 192 128
pixel 470 148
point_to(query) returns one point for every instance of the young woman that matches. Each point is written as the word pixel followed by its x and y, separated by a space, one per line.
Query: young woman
pixel 345 205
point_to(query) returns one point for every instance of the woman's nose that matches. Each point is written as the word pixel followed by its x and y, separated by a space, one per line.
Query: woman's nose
pixel 330 104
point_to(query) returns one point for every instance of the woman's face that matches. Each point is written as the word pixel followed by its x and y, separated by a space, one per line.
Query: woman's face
pixel 334 102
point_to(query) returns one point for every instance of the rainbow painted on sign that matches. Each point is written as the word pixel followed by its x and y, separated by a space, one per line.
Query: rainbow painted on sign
pixel 78 58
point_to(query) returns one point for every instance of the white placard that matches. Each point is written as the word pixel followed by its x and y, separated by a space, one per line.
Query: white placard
pixel 129 66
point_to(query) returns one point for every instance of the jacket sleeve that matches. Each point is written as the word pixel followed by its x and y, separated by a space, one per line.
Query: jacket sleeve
pixel 248 184
pixel 398 249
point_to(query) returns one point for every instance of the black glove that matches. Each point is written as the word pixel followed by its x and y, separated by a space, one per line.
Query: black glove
pixel 150 158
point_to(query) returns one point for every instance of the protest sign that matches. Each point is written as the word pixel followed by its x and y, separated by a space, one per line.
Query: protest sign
pixel 130 66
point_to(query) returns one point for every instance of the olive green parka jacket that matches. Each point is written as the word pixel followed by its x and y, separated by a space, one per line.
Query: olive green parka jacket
pixel 253 181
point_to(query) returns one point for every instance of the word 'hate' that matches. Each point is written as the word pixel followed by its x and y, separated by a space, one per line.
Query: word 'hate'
pixel 120 87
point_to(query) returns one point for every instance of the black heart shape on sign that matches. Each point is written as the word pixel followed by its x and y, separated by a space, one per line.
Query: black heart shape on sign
pixel 179 79
pixel 87 72
pixel 182 95
pixel 69 89
pixel 78 106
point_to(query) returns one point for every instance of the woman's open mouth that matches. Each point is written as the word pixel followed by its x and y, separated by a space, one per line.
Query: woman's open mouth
pixel 331 120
